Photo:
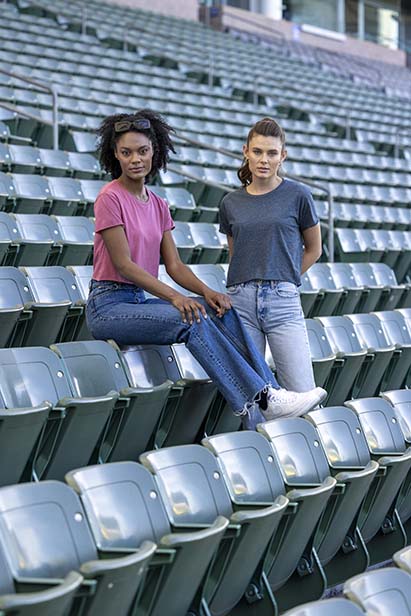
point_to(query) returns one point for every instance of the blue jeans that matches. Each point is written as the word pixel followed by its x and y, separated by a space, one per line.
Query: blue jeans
pixel 221 345
pixel 271 311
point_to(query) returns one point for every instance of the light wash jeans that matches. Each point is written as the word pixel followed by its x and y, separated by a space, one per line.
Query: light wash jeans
pixel 221 345
pixel 271 312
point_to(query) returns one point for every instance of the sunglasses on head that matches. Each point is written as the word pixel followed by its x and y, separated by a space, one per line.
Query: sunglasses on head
pixel 124 125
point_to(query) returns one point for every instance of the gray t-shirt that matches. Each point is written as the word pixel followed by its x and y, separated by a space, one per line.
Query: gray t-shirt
pixel 267 232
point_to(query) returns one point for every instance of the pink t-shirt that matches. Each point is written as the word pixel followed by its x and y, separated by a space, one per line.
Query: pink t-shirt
pixel 143 223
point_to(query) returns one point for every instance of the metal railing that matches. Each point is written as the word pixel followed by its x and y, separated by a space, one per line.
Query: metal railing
pixel 52 89
pixel 319 186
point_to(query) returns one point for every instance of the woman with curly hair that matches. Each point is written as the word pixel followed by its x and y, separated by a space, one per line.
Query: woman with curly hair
pixel 133 229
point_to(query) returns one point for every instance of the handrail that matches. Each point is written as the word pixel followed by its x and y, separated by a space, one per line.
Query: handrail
pixel 52 88
pixel 291 176
pixel 254 23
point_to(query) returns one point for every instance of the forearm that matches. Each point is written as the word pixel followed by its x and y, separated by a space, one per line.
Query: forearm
pixel 185 278
pixel 146 281
pixel 309 258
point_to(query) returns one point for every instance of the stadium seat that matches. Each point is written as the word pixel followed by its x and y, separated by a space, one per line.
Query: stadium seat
pixel 53 601
pixel 66 194
pixel 199 497
pixel 372 294
pixel 253 476
pixel 127 493
pixel 303 461
pixel 343 277
pixel 384 592
pixel 74 425
pixel 184 241
pixel 395 328
pixel 336 606
pixel 94 368
pixel 55 162
pixel 322 356
pixel 76 240
pixel 393 292
pixel 208 246
pixel 32 193
pixel 330 296
pixel 52 512
pixel 180 201
pixel 36 236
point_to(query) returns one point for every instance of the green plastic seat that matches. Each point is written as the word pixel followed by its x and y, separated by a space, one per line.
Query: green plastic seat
pixel 323 359
pixel 253 477
pixel 76 240
pixel 206 240
pixel 380 354
pixel 338 541
pixel 37 234
pixel 190 482
pixel 383 592
pixel 372 293
pixel 395 328
pixel 345 344
pixel 126 493
pixel 343 277
pixel 31 193
pixel 184 241
pixel 74 424
pixel 387 444
pixel 95 368
pixel 52 512
pixel 53 601
pixel 330 296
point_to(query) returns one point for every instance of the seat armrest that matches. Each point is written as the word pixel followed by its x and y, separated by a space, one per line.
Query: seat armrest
pixel 173 540
pixel 56 587
pixel 94 568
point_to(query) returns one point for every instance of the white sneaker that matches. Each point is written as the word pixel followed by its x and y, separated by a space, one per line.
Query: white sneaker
pixel 283 403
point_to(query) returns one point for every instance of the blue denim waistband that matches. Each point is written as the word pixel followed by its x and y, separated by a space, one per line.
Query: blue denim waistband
pixel 261 283
pixel 112 284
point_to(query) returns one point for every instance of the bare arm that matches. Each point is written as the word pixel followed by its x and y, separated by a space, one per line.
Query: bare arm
pixel 312 247
pixel 230 243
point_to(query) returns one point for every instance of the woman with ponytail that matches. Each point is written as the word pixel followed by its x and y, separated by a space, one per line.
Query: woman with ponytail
pixel 133 228
pixel 273 237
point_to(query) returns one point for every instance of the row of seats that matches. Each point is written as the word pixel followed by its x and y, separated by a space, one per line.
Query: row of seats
pixel 385 592
pixel 358 216
pixel 300 505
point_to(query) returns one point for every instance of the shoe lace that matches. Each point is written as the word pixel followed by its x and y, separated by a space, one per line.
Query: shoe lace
pixel 281 396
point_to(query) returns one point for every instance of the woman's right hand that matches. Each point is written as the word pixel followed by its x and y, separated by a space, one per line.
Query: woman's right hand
pixel 190 309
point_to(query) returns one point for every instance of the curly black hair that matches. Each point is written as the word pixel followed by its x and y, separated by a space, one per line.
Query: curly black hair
pixel 158 133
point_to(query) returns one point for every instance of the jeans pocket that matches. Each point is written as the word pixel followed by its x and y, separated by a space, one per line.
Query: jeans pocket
pixel 233 289
pixel 287 289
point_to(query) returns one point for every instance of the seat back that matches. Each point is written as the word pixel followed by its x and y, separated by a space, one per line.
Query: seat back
pixel 250 469
pixel 369 331
pixel 44 530
pixel 383 274
pixel 400 400
pixel 394 326
pixel 319 344
pixel 320 277
pixel 364 274
pixel 212 275
pixel 8 227
pixel 341 334
pixel 384 592
pixel 380 425
pixel 190 482
pixel 30 375
pixel 76 228
pixel 51 284
pixel 37 227
pixel 337 607
pixel 342 274
pixel 297 446
pixel 122 504
pixel 204 234
pixel 93 367
pixel 341 436
pixel 149 365
pixel 83 275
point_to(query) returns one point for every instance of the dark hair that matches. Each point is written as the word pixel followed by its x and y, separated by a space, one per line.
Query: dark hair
pixel 268 128
pixel 158 133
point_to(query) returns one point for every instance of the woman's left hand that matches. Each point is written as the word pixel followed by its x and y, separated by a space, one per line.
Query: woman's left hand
pixel 220 302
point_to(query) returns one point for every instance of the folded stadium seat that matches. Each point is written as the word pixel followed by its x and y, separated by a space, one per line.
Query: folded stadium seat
pixel 133 504
pixel 55 285
pixel 191 396
pixel 36 239
pixel 395 328
pixel 310 298
pixel 369 241
pixel 392 251
pixel 7 192
pixel 380 353
pixel 383 592
pixel 391 218
pixel 94 368
pixel 8 247
pixel 394 294
pixel 344 278
pixel 80 141
pixel 75 424
pixel 373 292
pixel 344 214
pixel 402 218
pixel 83 274
pixel 348 246
pixel 206 213
pixel 55 162
pixel 53 601
pixel 184 242
pixel 24 159
pixel 213 275
pixel 360 216
pixel 52 512
pixel 346 447
pixel 180 201
pixel 85 165
pixel 384 437
pixel 67 196
pixel 403 264
pixel 323 359
pixel 331 298
pixel 90 190
pixel 172 178
pixel 336 606
pixel 76 240
pixel 31 193
pixel 190 482
pixel 346 346
pixel 208 246
pixel 295 443
pixel 253 476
